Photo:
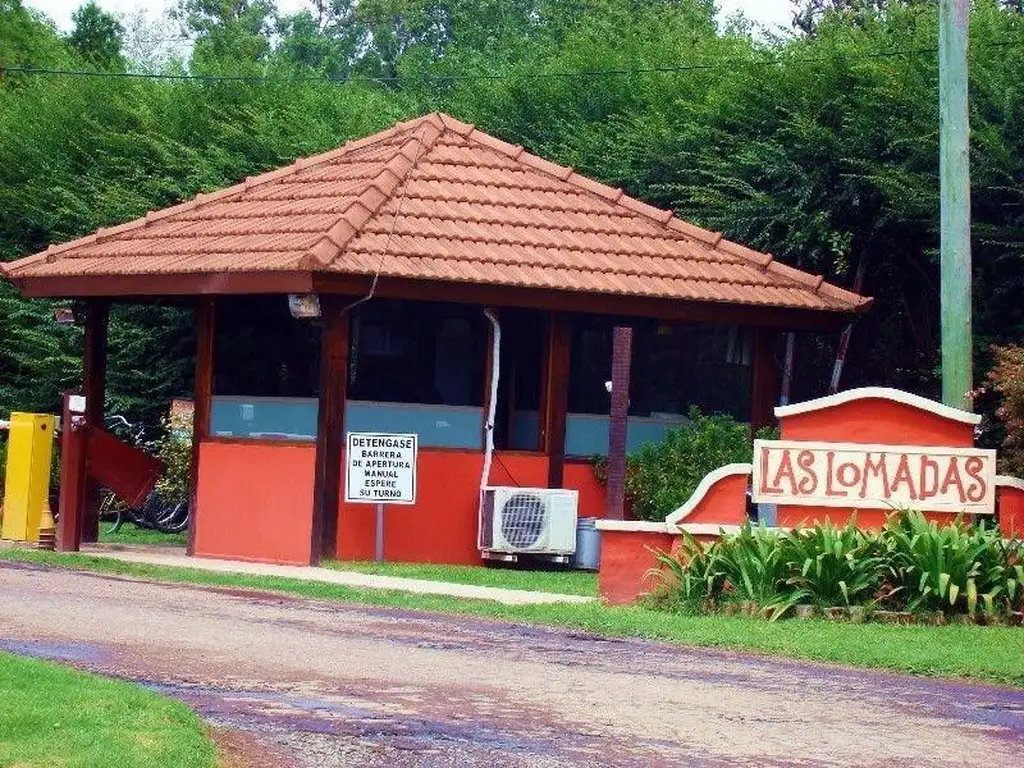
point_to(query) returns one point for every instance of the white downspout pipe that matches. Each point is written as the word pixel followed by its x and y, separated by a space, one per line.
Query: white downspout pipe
pixel 492 403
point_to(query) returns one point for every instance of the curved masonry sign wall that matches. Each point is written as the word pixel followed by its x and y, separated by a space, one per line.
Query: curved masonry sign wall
pixel 858 475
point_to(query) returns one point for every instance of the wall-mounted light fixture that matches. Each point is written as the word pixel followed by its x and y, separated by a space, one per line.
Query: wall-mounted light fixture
pixel 304 306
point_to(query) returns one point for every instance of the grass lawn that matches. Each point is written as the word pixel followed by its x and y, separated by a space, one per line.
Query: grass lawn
pixel 983 653
pixel 130 533
pixel 561 581
pixel 55 716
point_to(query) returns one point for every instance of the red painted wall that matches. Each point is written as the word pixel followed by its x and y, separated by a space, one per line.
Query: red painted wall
pixel 580 477
pixel 255 502
pixel 1010 503
pixel 725 503
pixel 442 526
pixel 625 559
pixel 876 420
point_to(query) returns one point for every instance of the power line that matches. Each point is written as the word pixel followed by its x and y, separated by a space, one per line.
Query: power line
pixel 592 73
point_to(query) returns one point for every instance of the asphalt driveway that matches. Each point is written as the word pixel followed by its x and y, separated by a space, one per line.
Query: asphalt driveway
pixel 322 684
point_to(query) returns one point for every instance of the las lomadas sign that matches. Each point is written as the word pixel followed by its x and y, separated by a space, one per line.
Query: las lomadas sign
pixel 926 478
pixel 380 468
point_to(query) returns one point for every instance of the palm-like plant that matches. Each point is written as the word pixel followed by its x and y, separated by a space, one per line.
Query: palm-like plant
pixel 951 567
pixel 688 576
pixel 753 563
pixel 830 566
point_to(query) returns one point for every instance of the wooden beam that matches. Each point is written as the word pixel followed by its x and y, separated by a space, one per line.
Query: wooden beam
pixel 667 309
pixel 555 396
pixel 622 353
pixel 202 392
pixel 157 286
pixel 330 434
pixel 764 379
pixel 72 478
pixel 94 387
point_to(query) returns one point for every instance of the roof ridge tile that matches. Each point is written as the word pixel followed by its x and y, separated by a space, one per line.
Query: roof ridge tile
pixel 764 260
pixel 334 241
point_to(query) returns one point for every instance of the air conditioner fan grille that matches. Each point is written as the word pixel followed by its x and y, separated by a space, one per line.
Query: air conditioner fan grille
pixel 522 520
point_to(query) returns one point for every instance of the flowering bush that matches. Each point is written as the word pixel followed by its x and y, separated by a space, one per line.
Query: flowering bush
pixel 1006 380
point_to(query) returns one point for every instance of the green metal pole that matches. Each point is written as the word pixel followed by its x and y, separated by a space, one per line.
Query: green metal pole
pixel 955 202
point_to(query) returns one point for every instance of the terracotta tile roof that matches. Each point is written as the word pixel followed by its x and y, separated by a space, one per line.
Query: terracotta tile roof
pixel 435 199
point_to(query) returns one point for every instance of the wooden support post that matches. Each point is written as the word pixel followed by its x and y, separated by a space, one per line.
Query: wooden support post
pixel 764 380
pixel 330 428
pixel 202 392
pixel 555 396
pixel 73 433
pixel 94 387
pixel 622 355
pixel 955 204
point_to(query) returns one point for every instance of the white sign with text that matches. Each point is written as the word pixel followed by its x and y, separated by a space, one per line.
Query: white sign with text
pixel 380 468
pixel 932 478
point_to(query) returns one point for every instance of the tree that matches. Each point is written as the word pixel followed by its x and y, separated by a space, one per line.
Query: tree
pixel 97 36
pixel 231 33
pixel 27 39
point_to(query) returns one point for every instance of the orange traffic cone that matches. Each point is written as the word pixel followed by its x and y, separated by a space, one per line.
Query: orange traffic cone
pixel 47 529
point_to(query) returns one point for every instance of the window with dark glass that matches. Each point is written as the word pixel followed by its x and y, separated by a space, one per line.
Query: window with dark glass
pixel 260 350
pixel 673 366
pixel 523 334
pixel 417 352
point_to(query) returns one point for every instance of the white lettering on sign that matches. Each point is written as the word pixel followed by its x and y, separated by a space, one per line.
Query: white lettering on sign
pixel 854 475
pixel 380 468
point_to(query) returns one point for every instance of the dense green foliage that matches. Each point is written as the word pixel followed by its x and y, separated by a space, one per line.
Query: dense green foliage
pixel 52 715
pixel 911 565
pixel 818 146
pixel 662 476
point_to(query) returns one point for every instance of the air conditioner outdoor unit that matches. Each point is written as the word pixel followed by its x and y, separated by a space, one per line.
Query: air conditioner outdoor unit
pixel 538 521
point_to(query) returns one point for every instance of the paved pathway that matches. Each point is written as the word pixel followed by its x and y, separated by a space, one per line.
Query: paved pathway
pixel 176 558
pixel 322 684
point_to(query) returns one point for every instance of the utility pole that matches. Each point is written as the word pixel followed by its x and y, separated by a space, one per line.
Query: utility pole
pixel 955 204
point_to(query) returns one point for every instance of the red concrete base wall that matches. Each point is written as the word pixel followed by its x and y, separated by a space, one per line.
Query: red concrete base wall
pixel 441 527
pixel 724 503
pixel 626 557
pixel 868 519
pixel 877 420
pixel 1010 504
pixel 579 476
pixel 255 502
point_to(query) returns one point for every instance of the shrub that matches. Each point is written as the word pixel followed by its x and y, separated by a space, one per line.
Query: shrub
pixel 174 449
pixel 1006 380
pixel 831 566
pixel 912 563
pixel 662 476
pixel 753 564
pixel 689 579
pixel 949 568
